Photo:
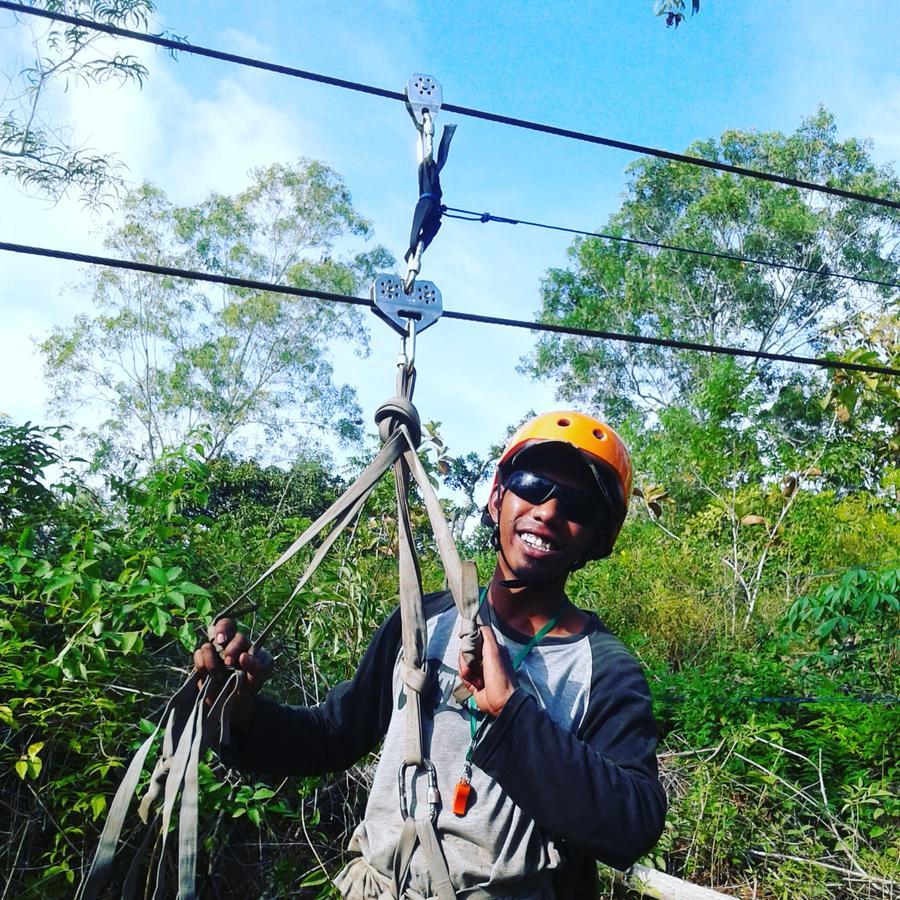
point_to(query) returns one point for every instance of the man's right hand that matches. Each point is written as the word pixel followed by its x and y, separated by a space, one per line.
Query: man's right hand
pixel 227 647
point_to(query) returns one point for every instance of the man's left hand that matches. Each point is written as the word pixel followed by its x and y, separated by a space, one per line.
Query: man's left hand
pixel 494 684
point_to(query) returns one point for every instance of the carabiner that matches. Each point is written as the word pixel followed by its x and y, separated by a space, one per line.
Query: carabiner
pixel 433 796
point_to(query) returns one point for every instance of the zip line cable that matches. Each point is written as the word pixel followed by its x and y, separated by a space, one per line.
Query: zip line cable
pixel 186 47
pixel 193 275
pixel 468 215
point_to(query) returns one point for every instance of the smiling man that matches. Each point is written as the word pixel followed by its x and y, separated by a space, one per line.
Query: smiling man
pixel 549 764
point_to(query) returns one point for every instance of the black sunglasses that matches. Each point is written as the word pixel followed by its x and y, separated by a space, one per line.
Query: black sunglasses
pixel 577 506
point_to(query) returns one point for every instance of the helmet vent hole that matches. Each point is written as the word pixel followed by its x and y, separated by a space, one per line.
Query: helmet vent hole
pixel 563 422
pixel 599 434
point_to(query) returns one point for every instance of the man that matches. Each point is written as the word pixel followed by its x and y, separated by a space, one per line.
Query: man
pixel 551 763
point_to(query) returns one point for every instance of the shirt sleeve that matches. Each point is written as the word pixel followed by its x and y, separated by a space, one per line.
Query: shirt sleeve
pixel 598 789
pixel 330 737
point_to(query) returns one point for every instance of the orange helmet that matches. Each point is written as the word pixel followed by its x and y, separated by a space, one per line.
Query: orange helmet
pixel 599 446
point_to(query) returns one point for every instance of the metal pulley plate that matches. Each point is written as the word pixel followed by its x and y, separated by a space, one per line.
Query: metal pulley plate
pixel 424 305
pixel 423 93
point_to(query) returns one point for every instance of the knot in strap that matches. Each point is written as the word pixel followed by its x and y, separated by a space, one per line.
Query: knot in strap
pixel 396 412
pixel 470 642
pixel 413 677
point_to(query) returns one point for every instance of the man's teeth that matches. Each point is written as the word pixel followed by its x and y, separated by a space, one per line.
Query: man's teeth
pixel 534 541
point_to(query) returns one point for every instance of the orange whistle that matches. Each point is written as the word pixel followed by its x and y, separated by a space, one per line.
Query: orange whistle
pixel 461 797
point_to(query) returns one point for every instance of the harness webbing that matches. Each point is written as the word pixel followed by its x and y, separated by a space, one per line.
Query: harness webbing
pixel 191 724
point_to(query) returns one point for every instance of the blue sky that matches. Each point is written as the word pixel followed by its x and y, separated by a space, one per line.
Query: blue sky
pixel 606 67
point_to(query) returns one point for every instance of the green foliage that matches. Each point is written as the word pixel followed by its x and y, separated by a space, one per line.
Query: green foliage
pixel 853 625
pixel 749 416
pixel 42 156
pixel 166 357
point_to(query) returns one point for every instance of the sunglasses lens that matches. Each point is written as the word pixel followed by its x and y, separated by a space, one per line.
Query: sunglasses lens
pixel 575 505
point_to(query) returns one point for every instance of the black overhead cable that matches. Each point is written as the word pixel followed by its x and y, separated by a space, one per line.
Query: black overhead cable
pixel 184 46
pixel 253 284
pixel 469 215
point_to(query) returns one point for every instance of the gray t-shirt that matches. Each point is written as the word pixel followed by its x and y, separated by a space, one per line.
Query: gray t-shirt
pixel 567 768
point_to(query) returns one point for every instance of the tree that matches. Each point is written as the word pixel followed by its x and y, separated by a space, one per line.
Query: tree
pixel 729 452
pixel 36 149
pixel 165 356
pixel 630 288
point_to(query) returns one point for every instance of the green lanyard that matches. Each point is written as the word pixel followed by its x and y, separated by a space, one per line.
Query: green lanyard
pixel 472 707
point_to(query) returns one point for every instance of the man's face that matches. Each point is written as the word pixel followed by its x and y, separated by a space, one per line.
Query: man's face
pixel 539 541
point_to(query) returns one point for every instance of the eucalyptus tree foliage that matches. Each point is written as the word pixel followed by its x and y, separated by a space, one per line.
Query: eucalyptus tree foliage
pixel 757 411
pixel 163 356
pixel 38 148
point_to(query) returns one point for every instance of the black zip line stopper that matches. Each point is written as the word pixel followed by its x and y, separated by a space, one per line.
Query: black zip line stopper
pixel 423 102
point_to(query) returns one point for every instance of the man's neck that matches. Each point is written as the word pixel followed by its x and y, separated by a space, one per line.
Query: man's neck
pixel 527 609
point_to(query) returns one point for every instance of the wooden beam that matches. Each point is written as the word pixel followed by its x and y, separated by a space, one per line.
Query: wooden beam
pixel 659 886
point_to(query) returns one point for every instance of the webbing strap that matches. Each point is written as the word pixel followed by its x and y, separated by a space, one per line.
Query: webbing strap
pixel 363 483
pixel 421 831
pixel 101 866
pixel 462 577
pixel 189 725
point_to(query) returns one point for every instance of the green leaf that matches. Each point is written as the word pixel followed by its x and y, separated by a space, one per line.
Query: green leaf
pixel 187 587
pixel 22 769
pixel 157 575
pixel 263 793
pixel 129 641
pixel 254 815
pixel 159 618
pixel 98 805
pixel 187 636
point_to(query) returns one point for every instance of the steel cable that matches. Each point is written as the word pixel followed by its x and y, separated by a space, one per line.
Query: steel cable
pixel 197 50
pixel 253 284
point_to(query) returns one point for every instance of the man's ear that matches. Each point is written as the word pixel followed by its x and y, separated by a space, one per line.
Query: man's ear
pixel 494 503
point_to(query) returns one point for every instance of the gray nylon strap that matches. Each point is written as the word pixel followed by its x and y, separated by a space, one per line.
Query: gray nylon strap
pixel 415 679
pixel 189 727
pixel 462 578
pixel 101 866
pixel 344 518
pixel 420 831
pixel 370 475
pixel 437 865
pixel 174 781
pixel 412 615
pixel 130 886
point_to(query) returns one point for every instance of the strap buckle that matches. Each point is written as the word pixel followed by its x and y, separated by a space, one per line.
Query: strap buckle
pixel 433 796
